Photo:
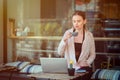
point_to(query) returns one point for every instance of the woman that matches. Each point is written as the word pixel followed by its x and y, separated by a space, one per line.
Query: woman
pixel 81 48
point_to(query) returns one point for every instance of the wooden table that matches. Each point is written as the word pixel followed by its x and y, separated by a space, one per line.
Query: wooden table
pixel 56 76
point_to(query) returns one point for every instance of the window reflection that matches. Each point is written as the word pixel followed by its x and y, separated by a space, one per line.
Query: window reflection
pixel 51 22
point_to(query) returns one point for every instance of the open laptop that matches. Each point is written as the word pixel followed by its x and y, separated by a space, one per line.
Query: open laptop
pixel 54 65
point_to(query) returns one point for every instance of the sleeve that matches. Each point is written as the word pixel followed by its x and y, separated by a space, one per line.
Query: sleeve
pixel 62 46
pixel 92 51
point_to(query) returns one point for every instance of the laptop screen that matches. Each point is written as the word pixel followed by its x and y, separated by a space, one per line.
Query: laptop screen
pixel 54 65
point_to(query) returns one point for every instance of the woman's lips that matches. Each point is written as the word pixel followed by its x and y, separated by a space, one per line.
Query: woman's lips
pixel 76 26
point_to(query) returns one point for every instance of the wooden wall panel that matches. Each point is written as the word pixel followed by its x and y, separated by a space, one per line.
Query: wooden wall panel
pixel 110 9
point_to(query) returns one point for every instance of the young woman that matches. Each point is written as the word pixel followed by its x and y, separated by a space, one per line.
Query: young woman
pixel 79 48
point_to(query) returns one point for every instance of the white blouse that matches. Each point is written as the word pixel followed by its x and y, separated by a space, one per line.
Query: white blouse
pixel 87 52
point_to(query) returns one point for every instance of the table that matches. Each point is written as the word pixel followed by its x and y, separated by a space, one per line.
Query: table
pixel 8 75
pixel 56 76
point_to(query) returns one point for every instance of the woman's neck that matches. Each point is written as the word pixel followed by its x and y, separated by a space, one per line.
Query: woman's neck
pixel 80 30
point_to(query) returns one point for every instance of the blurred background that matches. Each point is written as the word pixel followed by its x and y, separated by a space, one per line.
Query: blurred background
pixel 33 28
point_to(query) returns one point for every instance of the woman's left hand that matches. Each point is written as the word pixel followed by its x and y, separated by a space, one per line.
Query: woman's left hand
pixel 82 64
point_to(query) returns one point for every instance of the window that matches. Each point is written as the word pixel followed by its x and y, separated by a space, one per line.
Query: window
pixel 48 9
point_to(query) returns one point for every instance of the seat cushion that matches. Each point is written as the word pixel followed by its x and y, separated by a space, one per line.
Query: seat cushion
pixel 19 64
pixel 106 74
pixel 32 69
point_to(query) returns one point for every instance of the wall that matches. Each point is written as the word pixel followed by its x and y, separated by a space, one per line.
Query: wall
pixel 1 31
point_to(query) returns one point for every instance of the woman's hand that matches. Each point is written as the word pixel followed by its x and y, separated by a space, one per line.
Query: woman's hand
pixel 82 64
pixel 67 36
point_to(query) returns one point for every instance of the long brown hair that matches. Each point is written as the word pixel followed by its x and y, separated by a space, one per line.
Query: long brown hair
pixel 80 13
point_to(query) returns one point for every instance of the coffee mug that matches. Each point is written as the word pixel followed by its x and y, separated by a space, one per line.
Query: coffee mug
pixel 74 34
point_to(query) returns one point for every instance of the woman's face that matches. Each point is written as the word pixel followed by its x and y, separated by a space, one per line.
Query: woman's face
pixel 78 22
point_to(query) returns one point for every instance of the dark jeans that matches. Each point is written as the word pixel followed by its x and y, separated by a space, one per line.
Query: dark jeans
pixel 86 76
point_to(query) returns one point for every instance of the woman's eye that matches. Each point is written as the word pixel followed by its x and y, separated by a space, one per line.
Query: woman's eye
pixel 78 21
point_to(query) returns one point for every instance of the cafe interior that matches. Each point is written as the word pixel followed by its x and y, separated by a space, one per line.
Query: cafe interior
pixel 30 29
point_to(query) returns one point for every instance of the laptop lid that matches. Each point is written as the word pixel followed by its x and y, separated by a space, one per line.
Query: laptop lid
pixel 54 65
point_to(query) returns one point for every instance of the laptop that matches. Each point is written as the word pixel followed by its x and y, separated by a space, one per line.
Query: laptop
pixel 54 65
